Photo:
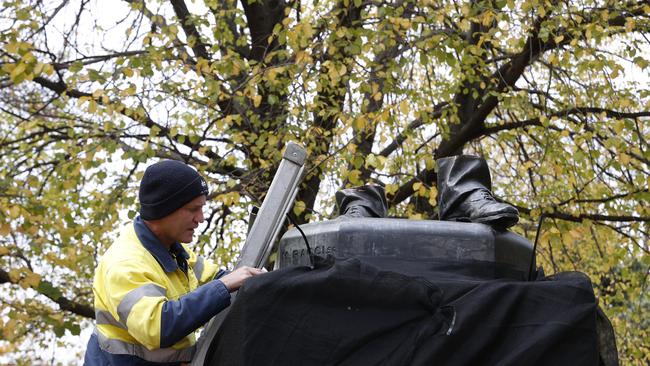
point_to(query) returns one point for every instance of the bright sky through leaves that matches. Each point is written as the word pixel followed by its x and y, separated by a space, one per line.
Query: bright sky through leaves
pixel 555 95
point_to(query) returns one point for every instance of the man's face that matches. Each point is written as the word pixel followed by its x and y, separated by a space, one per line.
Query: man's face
pixel 179 226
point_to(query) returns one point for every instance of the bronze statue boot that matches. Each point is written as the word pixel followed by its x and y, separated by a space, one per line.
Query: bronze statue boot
pixel 363 201
pixel 464 193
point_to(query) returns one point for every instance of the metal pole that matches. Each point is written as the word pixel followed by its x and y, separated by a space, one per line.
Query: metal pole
pixel 264 231
pixel 277 202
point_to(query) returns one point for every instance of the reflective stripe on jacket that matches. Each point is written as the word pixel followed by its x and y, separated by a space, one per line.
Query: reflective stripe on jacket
pixel 146 305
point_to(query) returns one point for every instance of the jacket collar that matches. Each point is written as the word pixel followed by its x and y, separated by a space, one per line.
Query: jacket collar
pixel 157 249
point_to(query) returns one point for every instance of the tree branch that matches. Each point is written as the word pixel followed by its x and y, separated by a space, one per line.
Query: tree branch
pixel 66 304
pixel 571 111
pixel 507 75
pixel 262 16
pixel 220 168
pixel 160 23
pixel 193 36
pixel 401 137
pixel 554 213
pixel 89 60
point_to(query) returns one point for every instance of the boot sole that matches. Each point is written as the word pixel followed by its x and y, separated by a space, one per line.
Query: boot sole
pixel 502 221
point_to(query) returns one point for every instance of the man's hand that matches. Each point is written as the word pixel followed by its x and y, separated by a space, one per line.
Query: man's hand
pixel 236 278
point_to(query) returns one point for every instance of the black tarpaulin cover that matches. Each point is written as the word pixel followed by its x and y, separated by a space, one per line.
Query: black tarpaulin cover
pixel 351 312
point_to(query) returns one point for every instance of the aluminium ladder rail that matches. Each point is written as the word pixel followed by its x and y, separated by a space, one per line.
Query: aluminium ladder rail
pixel 264 231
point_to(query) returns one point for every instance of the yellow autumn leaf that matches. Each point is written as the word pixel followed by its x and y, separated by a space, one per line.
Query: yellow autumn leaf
pixel 257 99
pixel 359 123
pixel 12 47
pixel 422 191
pixel 392 188
pixel 404 106
pixel 14 275
pixel 353 176
pixel 299 207
pixel 92 106
pixel 30 280
pixel 5 229
pixel 624 158
pixel 8 329
pixel 433 196
pixel 14 212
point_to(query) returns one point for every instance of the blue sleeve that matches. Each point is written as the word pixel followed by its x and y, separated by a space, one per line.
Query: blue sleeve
pixel 183 316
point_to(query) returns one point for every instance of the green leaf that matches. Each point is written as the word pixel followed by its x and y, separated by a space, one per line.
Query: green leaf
pixel 48 290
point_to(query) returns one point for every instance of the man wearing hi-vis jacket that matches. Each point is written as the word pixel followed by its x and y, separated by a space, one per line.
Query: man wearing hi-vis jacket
pixel 151 291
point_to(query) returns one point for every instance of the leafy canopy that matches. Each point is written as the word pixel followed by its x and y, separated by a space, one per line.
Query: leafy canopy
pixel 555 95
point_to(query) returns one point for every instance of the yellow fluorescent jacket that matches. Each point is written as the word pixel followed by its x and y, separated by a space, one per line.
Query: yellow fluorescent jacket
pixel 131 288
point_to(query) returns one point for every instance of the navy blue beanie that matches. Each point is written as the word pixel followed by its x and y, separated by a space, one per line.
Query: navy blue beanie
pixel 166 186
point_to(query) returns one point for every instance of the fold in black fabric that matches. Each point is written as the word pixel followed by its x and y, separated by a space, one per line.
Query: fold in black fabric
pixel 356 312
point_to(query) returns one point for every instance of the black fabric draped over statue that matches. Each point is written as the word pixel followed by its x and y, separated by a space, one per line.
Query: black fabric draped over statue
pixel 379 311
